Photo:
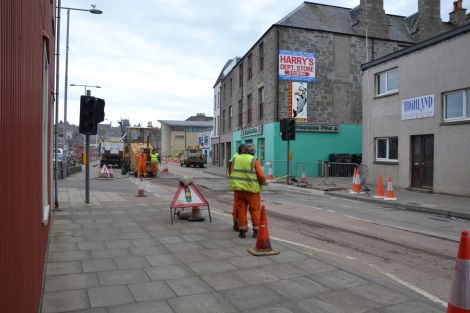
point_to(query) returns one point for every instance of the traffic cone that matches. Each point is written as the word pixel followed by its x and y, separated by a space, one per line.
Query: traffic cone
pixel 356 184
pixel 111 175
pixel 263 245
pixel 165 166
pixel 380 189
pixel 141 191
pixel 390 191
pixel 459 300
pixel 196 215
pixel 270 169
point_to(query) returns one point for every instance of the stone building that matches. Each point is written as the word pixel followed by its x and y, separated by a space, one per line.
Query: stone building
pixel 417 123
pixel 266 84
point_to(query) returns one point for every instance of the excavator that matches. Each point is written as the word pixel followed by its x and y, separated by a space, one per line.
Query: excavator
pixel 136 138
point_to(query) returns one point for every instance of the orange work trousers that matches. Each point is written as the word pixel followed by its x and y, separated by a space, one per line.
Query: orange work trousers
pixel 235 210
pixel 142 168
pixel 155 169
pixel 243 199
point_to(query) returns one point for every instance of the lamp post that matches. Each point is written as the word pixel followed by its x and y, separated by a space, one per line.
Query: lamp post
pixel 86 86
pixel 59 8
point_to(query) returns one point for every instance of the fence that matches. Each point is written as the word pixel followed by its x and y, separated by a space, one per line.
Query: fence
pixel 337 169
pixel 310 168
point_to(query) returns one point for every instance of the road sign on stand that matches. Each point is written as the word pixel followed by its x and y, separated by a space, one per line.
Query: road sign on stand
pixel 187 196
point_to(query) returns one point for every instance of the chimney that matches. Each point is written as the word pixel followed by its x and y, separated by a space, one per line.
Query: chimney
pixel 429 22
pixel 377 20
pixel 458 16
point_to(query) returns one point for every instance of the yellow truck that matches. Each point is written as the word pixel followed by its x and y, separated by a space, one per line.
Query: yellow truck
pixel 135 139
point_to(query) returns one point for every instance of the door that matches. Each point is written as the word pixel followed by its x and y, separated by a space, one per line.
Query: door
pixel 422 161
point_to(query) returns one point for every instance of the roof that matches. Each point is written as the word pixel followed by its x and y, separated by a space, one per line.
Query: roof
pixel 223 72
pixel 187 123
pixel 420 46
pixel 336 19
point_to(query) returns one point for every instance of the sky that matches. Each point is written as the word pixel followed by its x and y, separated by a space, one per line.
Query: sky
pixel 158 60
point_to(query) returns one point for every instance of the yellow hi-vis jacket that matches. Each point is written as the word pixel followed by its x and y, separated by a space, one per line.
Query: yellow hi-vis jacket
pixel 153 157
pixel 243 176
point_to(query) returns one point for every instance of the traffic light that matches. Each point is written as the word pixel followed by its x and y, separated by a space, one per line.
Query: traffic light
pixel 91 113
pixel 287 129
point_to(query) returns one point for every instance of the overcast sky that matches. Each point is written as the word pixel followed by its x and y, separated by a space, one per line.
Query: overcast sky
pixel 158 59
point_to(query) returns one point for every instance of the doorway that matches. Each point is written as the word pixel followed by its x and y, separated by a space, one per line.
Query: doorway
pixel 422 161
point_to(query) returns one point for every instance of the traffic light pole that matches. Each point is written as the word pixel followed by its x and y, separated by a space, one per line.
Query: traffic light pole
pixel 87 169
pixel 288 162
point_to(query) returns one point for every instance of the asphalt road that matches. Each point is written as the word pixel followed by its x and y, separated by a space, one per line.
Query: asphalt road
pixel 415 250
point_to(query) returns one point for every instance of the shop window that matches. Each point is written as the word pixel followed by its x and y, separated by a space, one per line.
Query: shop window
pixel 240 114
pixel 250 66
pixel 261 103
pixel 261 149
pixel 240 74
pixel 230 117
pixel 261 56
pixel 250 108
pixel 457 105
pixel 387 82
pixel 386 149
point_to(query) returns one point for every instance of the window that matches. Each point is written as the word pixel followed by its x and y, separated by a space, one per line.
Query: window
pixel 230 87
pixel 386 149
pixel 261 56
pixel 261 103
pixel 230 117
pixel 261 150
pixel 223 121
pixel 457 105
pixel 250 66
pixel 387 82
pixel 45 115
pixel 179 137
pixel 215 102
pixel 224 96
pixel 240 74
pixel 250 108
pixel 240 114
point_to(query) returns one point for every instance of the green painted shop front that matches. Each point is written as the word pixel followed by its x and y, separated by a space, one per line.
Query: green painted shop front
pixel 314 143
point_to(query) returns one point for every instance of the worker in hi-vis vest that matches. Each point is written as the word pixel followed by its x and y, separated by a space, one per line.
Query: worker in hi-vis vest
pixel 154 161
pixel 240 150
pixel 246 179
pixel 142 163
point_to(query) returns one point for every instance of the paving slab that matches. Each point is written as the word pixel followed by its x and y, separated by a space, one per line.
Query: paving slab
pixel 313 305
pixel 189 286
pixel 116 244
pixel 204 303
pixel 168 272
pixel 61 268
pixel 109 253
pixel 70 282
pixel 62 247
pixel 415 307
pixel 150 291
pixel 297 288
pixel 142 307
pixel 162 259
pixel 65 301
pixel 148 250
pixel 192 257
pixel 96 245
pixel 120 277
pixel 338 279
pixel 271 309
pixel 248 261
pixel 245 298
pixel 256 276
pixel 130 262
pixel 214 266
pixel 223 281
pixel 284 270
pixel 109 296
pixel 99 265
pixel 349 302
pixel 61 256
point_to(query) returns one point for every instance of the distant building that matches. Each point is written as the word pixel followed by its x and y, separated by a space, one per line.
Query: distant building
pixel 416 105
pixel 308 66
pixel 177 135
pixel 27 58
pixel 204 139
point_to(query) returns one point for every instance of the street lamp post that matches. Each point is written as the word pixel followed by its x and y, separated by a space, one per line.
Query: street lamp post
pixel 92 11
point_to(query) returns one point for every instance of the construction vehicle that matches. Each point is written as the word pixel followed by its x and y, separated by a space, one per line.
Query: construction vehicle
pixel 192 156
pixel 111 153
pixel 135 139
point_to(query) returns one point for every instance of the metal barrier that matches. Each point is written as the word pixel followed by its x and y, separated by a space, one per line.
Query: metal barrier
pixel 337 169
pixel 309 168
pixel 279 167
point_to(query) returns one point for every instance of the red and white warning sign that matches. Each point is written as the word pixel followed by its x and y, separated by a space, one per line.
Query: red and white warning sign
pixel 188 196
pixel 105 171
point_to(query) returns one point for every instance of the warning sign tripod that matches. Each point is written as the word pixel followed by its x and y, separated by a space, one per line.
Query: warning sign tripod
pixel 188 196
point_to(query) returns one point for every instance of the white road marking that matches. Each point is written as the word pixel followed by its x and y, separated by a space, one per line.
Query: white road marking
pixel 385 273
pixel 331 211
pixel 156 195
pixel 359 219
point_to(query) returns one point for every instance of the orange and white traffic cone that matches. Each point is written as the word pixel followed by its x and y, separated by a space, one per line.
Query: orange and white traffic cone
pixel 165 166
pixel 270 169
pixel 380 189
pixel 263 245
pixel 459 300
pixel 141 191
pixel 303 179
pixel 390 191
pixel 356 183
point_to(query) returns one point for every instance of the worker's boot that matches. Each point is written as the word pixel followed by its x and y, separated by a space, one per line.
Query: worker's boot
pixel 235 226
pixel 255 233
pixel 242 234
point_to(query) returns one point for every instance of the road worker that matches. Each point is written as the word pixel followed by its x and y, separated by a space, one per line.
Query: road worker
pixel 142 163
pixel 240 150
pixel 245 179
pixel 154 158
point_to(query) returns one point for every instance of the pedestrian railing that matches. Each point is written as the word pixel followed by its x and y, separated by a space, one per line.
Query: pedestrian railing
pixel 337 169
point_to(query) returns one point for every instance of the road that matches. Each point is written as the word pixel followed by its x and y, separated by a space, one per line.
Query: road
pixel 414 250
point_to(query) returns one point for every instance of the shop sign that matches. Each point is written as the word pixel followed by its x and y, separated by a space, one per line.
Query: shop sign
pixel 297 66
pixel 298 101
pixel 253 131
pixel 419 107
pixel 317 128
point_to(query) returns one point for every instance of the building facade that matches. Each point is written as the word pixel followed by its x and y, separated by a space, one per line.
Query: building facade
pixel 27 57
pixel 416 105
pixel 177 135
pixel 272 81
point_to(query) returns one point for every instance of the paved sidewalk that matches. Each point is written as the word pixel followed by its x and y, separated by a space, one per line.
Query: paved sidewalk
pixel 120 254
pixel 454 206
